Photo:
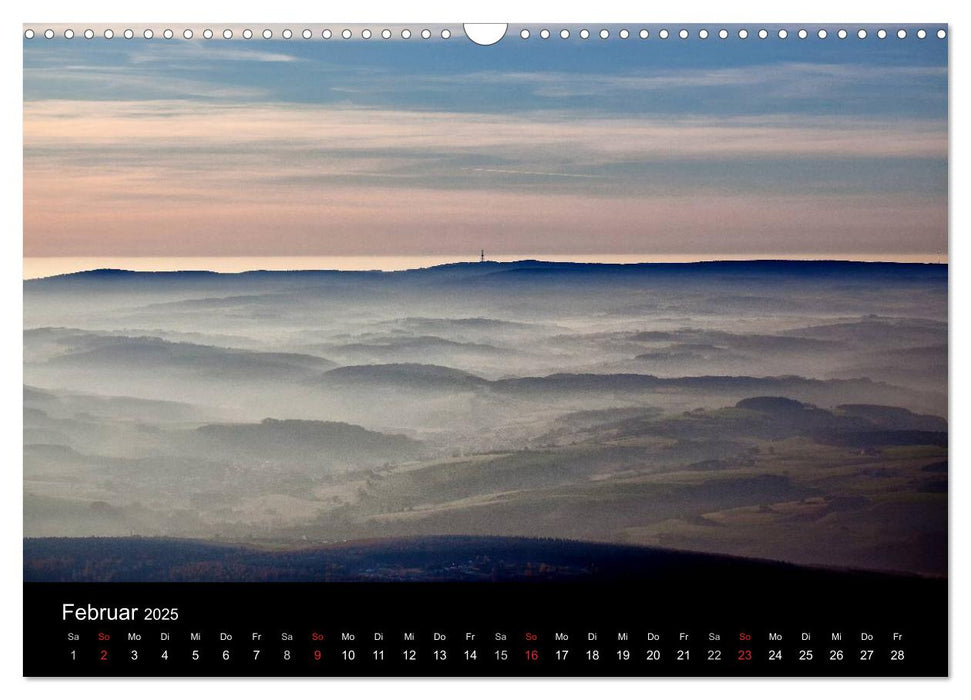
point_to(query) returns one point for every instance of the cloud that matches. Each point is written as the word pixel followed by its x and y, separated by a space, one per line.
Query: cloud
pixel 777 77
pixel 288 128
pixel 502 171
pixel 146 71
pixel 118 80
pixel 247 176
pixel 199 54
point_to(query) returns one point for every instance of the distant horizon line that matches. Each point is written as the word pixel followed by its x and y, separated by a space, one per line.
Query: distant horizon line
pixel 44 267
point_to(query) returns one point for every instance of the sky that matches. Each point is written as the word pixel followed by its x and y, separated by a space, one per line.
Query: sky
pixel 652 148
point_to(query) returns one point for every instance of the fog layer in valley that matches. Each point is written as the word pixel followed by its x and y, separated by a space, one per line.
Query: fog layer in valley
pixel 793 411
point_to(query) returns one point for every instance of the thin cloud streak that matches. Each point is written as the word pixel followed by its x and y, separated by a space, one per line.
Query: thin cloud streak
pixel 123 80
pixel 772 75
pixel 191 125
pixel 198 54
pixel 501 171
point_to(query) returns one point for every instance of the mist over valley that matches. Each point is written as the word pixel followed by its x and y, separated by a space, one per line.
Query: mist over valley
pixel 794 411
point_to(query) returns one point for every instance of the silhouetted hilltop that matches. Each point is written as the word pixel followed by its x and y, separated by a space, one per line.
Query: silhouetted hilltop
pixel 403 374
pixel 779 417
pixel 524 268
pixel 771 404
pixel 273 439
pixel 405 559
pixel 113 352
pixel 894 417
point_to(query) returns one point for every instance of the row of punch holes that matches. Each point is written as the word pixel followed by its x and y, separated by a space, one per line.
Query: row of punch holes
pixel 523 34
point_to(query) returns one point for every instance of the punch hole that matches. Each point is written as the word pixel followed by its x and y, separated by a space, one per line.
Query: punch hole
pixel 783 34
pixel 287 33
pixel 227 34
pixel 763 34
pixel 68 33
pixel 743 33
pixel 604 34
pixel 168 34
pixel 624 33
pixel 703 34
pixel 29 34
pixel 446 34
pixel 405 33
pixel 49 34
pixel 89 34
pixel 663 33
pixel 326 34
pixel 564 33
pixel 306 34
pixel 267 34
pixel 524 34
pixel 584 34
pixel 247 33
pixel 148 34
pixel 426 34
pixel 643 34
pixel 683 34
pixel 109 34
pixel 483 34
pixel 861 33
pixel 129 33
pixel 941 34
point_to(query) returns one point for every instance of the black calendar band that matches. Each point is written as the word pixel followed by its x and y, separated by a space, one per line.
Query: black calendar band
pixel 631 628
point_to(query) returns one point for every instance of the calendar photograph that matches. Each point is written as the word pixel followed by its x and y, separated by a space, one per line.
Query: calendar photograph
pixel 586 305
